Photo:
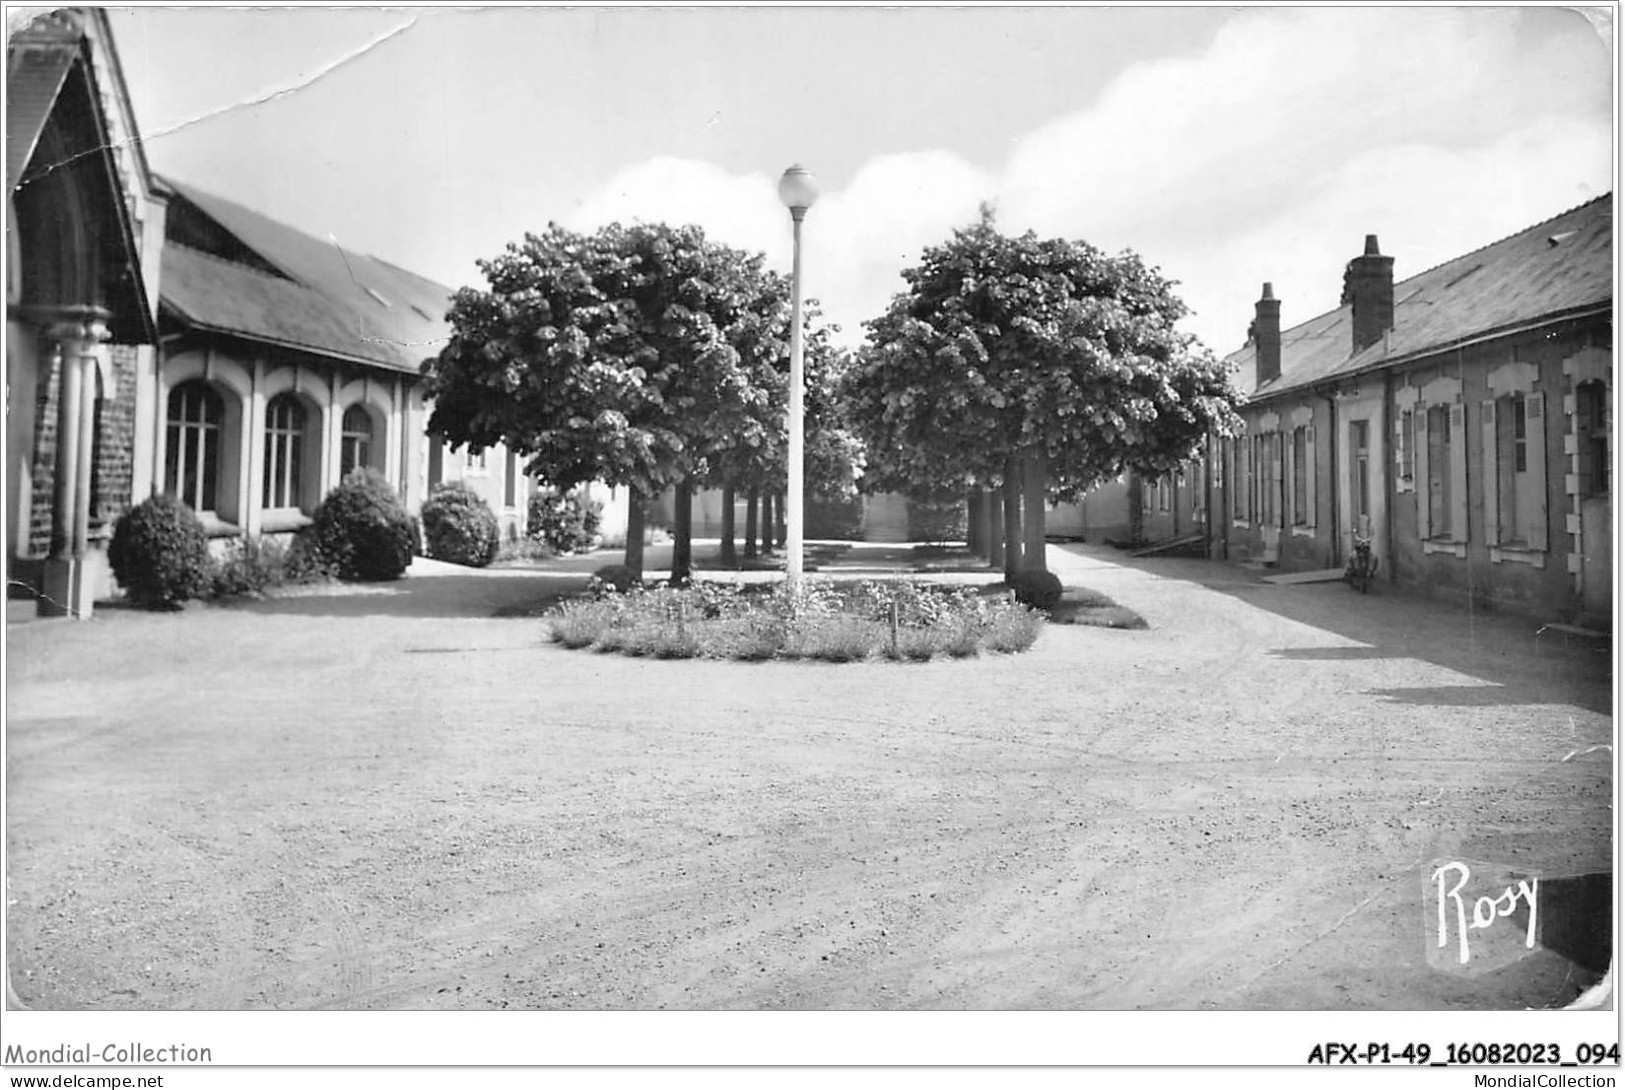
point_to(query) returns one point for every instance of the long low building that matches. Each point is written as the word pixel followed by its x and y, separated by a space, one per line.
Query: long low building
pixel 1460 421
pixel 289 362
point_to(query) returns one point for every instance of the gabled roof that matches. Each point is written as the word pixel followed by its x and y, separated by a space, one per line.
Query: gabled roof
pixel 62 71
pixel 1559 268
pixel 34 77
pixel 328 301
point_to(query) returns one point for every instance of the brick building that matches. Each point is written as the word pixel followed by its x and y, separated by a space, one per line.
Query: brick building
pixel 286 361
pixel 84 229
pixel 1460 420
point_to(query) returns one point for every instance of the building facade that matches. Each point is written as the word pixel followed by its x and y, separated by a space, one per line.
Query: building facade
pixel 288 363
pixel 85 230
pixel 1460 421
pixel 161 339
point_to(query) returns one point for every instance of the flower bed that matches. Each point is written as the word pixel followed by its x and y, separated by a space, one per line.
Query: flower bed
pixel 830 622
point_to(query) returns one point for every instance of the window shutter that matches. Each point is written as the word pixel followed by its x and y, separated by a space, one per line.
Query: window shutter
pixel 1492 475
pixel 1458 469
pixel 1278 491
pixel 1309 474
pixel 1534 414
pixel 1424 491
pixel 1252 491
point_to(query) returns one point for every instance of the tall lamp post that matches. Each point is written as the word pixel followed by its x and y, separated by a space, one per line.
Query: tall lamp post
pixel 798 191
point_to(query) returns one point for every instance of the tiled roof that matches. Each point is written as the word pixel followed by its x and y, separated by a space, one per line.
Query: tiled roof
pixel 1562 266
pixel 334 302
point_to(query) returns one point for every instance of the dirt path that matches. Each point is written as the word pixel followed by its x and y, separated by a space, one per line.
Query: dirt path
pixel 399 800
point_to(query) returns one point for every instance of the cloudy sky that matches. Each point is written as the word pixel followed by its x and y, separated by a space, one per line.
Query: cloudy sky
pixel 1227 145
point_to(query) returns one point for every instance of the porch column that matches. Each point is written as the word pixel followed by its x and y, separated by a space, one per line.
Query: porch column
pixel 67 589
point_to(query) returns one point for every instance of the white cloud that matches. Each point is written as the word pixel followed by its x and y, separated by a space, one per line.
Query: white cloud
pixel 1268 157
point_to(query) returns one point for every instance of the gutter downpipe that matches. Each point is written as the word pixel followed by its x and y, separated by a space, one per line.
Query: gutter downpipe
pixel 1390 448
pixel 1337 537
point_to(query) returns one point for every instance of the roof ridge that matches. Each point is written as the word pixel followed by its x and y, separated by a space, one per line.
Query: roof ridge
pixel 1450 261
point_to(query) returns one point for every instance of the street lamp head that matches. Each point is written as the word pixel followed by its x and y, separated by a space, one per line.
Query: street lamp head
pixel 798 189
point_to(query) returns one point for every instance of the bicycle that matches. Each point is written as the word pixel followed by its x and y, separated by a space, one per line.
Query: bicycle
pixel 1361 567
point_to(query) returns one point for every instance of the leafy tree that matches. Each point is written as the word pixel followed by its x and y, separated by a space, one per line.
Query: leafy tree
pixel 608 356
pixel 753 455
pixel 1019 358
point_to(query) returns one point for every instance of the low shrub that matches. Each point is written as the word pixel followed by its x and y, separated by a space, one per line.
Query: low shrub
pixel 160 554
pixel 1013 630
pixel 304 562
pixel 459 526
pixel 249 567
pixel 566 522
pixel 1036 588
pixel 833 638
pixel 521 550
pixel 362 532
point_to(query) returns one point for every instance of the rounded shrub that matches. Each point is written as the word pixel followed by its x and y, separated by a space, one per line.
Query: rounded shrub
pixel 1037 588
pixel 460 526
pixel 566 522
pixel 160 554
pixel 362 531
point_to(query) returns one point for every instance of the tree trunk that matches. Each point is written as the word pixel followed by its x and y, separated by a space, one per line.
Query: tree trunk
pixel 767 523
pixel 753 500
pixel 727 554
pixel 1012 517
pixel 975 523
pixel 635 511
pixel 993 504
pixel 1136 510
pixel 1035 473
pixel 682 533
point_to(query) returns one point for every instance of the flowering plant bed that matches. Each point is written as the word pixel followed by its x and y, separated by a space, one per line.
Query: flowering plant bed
pixel 827 621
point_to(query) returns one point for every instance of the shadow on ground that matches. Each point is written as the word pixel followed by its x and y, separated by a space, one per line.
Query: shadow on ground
pixel 1499 649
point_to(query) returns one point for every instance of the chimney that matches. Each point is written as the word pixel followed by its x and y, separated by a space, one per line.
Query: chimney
pixel 1267 335
pixel 1368 287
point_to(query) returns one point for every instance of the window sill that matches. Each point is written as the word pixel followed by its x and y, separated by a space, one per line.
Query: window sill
pixel 1457 549
pixel 283 521
pixel 1517 554
pixel 215 526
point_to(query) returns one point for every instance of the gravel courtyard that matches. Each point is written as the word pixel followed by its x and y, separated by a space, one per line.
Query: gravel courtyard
pixel 407 798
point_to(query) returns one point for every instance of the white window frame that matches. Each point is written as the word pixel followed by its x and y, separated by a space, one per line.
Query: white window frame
pixel 282 486
pixel 361 442
pixel 1526 538
pixel 1441 393
pixel 210 436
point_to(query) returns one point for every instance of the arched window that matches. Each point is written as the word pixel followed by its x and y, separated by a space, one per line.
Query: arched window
pixel 192 456
pixel 284 438
pixel 355 446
